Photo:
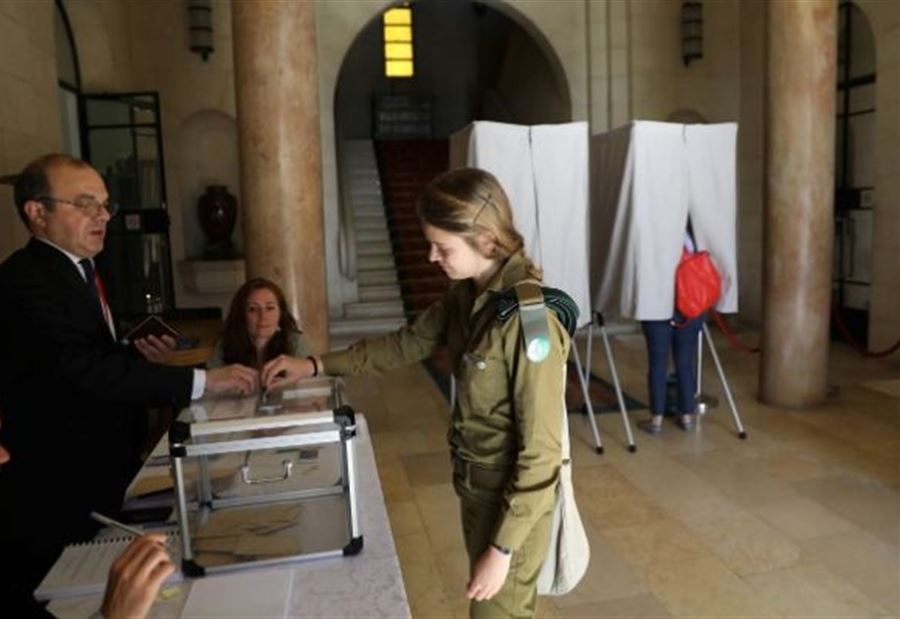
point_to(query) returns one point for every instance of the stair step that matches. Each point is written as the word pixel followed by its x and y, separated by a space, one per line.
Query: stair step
pixel 377 277
pixel 376 263
pixel 374 309
pixel 372 235
pixel 371 225
pixel 383 292
pixel 373 248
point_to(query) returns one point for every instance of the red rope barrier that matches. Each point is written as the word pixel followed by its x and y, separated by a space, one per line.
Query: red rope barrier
pixel 855 343
pixel 729 334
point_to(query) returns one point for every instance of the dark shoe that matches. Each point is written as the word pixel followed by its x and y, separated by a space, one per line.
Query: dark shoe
pixel 685 424
pixel 649 427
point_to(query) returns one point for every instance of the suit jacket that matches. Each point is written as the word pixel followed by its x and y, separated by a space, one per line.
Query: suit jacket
pixel 69 397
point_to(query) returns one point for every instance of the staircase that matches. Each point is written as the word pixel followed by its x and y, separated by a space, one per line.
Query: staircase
pixel 379 308
pixel 407 166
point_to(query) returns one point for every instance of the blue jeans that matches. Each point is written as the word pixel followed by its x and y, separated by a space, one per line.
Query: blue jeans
pixel 662 336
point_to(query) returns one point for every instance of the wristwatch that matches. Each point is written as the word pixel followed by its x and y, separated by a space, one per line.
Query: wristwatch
pixel 503 549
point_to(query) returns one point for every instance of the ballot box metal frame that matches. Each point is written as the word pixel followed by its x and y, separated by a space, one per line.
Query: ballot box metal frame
pixel 188 439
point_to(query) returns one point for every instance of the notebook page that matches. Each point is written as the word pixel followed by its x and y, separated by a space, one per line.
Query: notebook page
pixel 82 569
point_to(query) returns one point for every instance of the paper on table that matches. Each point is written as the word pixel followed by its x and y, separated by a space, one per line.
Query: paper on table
pixel 263 594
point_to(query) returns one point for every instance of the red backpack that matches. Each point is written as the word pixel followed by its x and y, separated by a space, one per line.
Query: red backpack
pixel 698 284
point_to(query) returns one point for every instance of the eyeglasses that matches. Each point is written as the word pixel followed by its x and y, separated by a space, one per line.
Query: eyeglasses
pixel 88 205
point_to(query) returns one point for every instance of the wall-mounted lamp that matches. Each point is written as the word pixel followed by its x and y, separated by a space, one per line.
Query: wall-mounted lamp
pixel 200 30
pixel 691 31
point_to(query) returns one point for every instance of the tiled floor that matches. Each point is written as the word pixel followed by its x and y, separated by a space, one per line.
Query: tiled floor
pixel 800 520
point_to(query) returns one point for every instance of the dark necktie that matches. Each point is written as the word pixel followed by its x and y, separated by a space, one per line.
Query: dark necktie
pixel 90 276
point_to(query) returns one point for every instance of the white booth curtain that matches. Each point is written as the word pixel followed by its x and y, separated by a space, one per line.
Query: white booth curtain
pixel 544 170
pixel 646 179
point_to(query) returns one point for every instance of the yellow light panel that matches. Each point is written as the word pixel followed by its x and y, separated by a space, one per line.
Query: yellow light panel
pixel 399 16
pixel 398 68
pixel 398 51
pixel 397 34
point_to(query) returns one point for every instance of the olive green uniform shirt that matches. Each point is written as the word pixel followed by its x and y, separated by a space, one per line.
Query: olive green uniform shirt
pixel 508 414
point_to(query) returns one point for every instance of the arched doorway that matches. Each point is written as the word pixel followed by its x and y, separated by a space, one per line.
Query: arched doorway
pixel 473 61
pixel 854 169
pixel 69 80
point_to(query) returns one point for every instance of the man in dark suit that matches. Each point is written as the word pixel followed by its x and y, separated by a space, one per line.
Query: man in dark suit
pixel 70 393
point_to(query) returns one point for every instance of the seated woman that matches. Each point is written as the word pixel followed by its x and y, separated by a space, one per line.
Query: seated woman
pixel 259 327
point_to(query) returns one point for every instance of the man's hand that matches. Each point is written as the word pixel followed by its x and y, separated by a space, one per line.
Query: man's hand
pixel 284 370
pixel 235 379
pixel 135 578
pixel 155 349
pixel 489 575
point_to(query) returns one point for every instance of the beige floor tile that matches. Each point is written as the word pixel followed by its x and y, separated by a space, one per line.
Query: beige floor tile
pixel 662 541
pixel 454 570
pixel 705 587
pixel 872 506
pixel 608 577
pixel 439 508
pixel 394 483
pixel 694 510
pixel 865 561
pixel 421 577
pixel 638 607
pixel 794 467
pixel 801 518
pixel 738 478
pixel 405 518
pixel 813 591
pixel 427 469
pixel 746 544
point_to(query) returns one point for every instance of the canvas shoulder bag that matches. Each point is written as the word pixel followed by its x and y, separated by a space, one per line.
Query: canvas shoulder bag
pixel 569 553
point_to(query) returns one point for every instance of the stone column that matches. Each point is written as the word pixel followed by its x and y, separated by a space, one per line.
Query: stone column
pixel 276 83
pixel 799 228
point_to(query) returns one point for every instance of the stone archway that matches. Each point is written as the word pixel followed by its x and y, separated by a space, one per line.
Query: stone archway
pixel 338 26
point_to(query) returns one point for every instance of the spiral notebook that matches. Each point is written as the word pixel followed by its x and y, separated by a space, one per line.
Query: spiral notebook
pixel 82 569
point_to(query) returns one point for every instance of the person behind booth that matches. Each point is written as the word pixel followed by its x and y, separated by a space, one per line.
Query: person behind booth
pixel 133 582
pixel 71 394
pixel 680 337
pixel 505 429
pixel 259 327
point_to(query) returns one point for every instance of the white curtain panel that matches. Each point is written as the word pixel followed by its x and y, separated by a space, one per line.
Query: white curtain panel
pixel 712 182
pixel 646 178
pixel 544 170
pixel 504 150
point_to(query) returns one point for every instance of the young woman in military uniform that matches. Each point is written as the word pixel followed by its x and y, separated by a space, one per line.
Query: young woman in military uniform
pixel 505 429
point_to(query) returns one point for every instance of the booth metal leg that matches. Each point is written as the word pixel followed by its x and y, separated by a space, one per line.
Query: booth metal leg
pixel 587 399
pixel 715 356
pixel 589 352
pixel 618 386
pixel 704 402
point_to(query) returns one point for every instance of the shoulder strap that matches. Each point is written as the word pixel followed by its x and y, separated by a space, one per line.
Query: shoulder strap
pixel 535 329
pixel 536 299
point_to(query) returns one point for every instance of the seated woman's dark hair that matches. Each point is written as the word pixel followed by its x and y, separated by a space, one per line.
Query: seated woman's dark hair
pixel 237 347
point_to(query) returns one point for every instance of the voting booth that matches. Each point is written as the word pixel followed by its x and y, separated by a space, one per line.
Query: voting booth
pixel 266 480
pixel 647 180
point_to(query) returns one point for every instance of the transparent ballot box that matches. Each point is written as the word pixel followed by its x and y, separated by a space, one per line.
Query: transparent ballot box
pixel 266 480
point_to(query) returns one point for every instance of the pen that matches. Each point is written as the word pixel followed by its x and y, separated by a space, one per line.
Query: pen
pixel 115 523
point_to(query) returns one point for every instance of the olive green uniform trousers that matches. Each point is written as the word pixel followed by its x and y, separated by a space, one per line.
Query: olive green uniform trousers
pixel 480 503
